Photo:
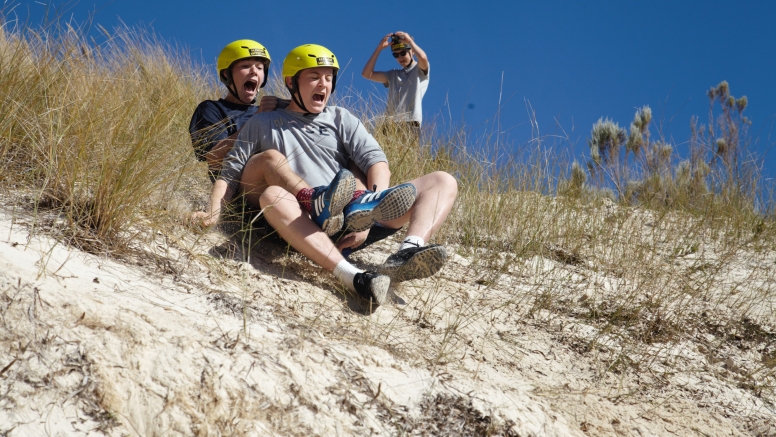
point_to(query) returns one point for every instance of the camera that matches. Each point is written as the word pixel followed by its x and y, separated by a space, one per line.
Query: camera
pixel 396 38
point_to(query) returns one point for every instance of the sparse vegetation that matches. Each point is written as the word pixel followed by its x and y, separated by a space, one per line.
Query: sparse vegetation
pixel 655 269
pixel 93 131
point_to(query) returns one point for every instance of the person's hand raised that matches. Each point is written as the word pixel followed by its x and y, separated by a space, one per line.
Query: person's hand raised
pixel 385 42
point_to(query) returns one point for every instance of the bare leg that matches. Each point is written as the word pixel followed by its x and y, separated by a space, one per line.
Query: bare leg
pixel 265 169
pixel 285 214
pixel 436 194
pixel 360 176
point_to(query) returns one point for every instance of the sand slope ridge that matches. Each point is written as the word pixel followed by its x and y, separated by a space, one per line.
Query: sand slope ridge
pixel 215 342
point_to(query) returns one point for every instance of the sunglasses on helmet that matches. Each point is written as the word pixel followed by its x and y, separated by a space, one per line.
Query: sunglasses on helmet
pixel 399 54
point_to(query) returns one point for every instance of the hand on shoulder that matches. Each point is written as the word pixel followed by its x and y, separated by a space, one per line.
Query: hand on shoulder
pixel 271 103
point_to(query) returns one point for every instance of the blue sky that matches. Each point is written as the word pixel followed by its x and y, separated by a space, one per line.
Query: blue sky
pixel 574 61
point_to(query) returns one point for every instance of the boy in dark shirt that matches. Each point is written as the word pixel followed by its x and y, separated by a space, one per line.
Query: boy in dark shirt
pixel 243 67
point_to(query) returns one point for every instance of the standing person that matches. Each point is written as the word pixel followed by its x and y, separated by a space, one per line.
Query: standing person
pixel 243 67
pixel 407 85
pixel 279 156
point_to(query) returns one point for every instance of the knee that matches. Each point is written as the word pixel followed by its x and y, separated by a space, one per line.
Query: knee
pixel 264 161
pixel 271 157
pixel 267 159
pixel 273 196
pixel 446 182
pixel 438 184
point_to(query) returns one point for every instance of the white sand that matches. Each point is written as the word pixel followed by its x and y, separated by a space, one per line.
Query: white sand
pixel 94 346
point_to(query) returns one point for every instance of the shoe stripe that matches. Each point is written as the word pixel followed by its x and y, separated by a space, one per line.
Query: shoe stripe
pixel 371 197
pixel 319 204
pixel 368 197
pixel 390 204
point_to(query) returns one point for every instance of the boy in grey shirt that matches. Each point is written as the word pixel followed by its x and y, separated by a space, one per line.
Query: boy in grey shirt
pixel 316 147
pixel 279 156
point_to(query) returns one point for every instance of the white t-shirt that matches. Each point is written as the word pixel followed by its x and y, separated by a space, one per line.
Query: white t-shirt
pixel 406 88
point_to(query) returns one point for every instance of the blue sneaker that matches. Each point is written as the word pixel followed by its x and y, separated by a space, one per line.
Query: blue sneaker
pixel 390 204
pixel 328 202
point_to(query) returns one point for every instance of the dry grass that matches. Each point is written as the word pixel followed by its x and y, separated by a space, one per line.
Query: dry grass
pixel 97 131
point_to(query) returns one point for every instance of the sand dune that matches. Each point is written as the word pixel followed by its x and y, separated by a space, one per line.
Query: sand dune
pixel 199 342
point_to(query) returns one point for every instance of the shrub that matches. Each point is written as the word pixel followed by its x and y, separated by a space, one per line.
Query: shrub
pixel 98 131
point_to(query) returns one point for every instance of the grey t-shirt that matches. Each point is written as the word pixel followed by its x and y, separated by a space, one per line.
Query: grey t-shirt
pixel 317 146
pixel 406 88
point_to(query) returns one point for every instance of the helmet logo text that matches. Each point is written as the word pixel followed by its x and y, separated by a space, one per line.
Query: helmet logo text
pixel 258 52
pixel 325 61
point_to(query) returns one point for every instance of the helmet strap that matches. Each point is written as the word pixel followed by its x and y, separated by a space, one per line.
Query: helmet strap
pixel 233 88
pixel 295 92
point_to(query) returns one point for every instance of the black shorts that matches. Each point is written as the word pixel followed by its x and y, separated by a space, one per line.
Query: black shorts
pixel 263 231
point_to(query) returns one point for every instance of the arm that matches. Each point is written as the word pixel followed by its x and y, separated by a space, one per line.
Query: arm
pixel 380 175
pixel 369 69
pixel 227 183
pixel 215 156
pixel 220 194
pixel 364 151
pixel 208 127
pixel 419 53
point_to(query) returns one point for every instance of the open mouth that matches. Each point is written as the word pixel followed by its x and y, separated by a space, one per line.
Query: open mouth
pixel 251 86
pixel 318 97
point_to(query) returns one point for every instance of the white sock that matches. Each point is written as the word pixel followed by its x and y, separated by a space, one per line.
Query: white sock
pixel 412 241
pixel 345 272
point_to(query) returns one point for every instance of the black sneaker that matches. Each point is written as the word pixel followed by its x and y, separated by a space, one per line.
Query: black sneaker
pixel 372 286
pixel 414 263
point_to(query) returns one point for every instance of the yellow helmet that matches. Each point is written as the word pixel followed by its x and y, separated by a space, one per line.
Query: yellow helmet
pixel 241 49
pixel 309 56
